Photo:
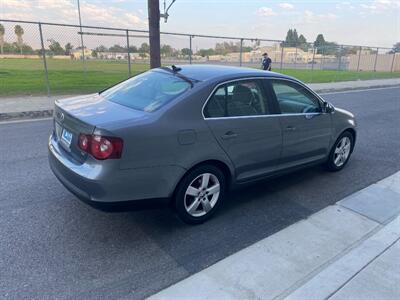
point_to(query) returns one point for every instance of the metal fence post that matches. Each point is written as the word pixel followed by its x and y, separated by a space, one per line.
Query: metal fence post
pixel 313 57
pixel 376 58
pixel 282 46
pixel 340 58
pixel 241 52
pixel 323 58
pixel 190 48
pixel 46 74
pixel 129 54
pixel 83 48
pixel 295 58
pixel 359 57
pixel 394 55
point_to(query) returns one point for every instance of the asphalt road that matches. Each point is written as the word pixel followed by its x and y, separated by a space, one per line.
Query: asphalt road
pixel 54 246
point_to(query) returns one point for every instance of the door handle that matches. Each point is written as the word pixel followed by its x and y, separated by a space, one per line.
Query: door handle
pixel 290 128
pixel 229 135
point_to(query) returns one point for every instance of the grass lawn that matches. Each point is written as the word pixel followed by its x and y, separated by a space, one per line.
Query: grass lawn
pixel 26 76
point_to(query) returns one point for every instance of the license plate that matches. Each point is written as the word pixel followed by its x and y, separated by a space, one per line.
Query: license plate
pixel 66 137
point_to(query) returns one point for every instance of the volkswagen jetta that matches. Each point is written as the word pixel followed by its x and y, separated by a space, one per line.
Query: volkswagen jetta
pixel 192 132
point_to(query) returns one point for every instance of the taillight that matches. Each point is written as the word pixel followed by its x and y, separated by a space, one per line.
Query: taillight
pixel 83 142
pixel 101 147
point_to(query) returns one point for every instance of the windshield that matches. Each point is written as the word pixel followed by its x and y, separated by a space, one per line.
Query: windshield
pixel 147 91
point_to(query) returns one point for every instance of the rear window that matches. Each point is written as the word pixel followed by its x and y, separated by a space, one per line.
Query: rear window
pixel 148 91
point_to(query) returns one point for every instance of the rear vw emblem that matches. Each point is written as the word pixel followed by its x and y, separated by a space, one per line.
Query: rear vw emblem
pixel 60 116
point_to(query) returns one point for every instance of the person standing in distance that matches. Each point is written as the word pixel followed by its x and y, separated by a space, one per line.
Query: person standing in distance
pixel 266 62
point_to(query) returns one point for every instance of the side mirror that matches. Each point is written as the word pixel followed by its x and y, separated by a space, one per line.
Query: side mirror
pixel 328 108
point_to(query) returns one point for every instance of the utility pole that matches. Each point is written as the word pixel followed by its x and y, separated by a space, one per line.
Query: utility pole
pixel 154 33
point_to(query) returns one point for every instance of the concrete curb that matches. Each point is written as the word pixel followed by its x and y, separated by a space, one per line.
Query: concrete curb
pixel 329 254
pixel 37 114
pixel 325 91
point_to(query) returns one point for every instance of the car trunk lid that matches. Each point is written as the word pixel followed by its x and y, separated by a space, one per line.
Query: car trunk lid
pixel 82 114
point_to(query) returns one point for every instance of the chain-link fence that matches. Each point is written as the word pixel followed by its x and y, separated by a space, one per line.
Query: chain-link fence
pixel 67 59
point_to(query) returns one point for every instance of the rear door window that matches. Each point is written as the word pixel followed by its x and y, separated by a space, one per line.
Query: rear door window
pixel 239 98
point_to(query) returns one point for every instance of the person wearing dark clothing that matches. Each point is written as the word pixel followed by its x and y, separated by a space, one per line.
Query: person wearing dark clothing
pixel 266 62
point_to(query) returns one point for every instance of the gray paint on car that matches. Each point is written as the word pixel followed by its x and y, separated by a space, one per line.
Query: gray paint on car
pixel 161 146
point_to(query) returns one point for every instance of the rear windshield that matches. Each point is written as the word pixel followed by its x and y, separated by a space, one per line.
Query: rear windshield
pixel 148 91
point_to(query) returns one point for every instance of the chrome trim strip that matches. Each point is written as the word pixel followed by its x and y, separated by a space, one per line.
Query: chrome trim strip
pixel 265 116
pixel 260 116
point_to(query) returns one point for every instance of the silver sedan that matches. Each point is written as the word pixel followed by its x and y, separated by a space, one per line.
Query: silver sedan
pixel 192 132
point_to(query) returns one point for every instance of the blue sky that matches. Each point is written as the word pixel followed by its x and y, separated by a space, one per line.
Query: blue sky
pixel 372 22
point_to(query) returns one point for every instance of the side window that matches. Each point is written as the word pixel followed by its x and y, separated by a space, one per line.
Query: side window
pixel 216 106
pixel 293 98
pixel 239 98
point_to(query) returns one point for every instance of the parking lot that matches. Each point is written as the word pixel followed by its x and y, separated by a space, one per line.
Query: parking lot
pixel 54 246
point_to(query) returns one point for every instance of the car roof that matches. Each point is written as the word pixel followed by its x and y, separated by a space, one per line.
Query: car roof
pixel 205 72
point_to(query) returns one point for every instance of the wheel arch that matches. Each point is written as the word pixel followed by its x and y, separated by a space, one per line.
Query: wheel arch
pixel 226 170
pixel 353 133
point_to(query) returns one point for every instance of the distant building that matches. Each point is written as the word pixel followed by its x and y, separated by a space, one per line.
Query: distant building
pixel 77 53
pixel 106 55
pixel 112 55
pixel 276 53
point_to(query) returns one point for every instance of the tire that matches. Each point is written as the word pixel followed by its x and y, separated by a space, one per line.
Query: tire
pixel 340 153
pixel 199 194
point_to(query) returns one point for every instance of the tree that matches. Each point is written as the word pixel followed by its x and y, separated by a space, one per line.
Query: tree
pixel 302 43
pixel 292 38
pixel 166 50
pixel 350 50
pixel 101 48
pixel 295 37
pixel 68 49
pixel 133 49
pixel 144 48
pixel 186 51
pixel 206 52
pixel 154 32
pixel 247 48
pixel 56 48
pixel 117 48
pixel 319 43
pixel 396 48
pixel 2 31
pixel 19 31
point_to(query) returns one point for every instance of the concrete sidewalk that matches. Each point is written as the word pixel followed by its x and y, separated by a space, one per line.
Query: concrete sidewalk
pixel 350 250
pixel 42 106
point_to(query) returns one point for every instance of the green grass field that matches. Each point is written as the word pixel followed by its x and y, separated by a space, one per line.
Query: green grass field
pixel 26 76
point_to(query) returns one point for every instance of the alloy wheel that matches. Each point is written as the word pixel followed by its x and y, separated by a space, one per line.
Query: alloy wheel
pixel 342 151
pixel 202 194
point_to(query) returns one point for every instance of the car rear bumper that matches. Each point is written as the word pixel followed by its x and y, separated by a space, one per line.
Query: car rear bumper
pixel 112 185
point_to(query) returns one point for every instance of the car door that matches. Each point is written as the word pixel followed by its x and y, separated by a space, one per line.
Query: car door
pixel 238 114
pixel 305 127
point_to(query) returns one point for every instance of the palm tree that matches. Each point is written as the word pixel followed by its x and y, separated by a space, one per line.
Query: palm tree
pixel 19 31
pixel 1 38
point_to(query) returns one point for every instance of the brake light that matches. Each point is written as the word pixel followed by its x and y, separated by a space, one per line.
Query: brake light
pixel 83 142
pixel 101 147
